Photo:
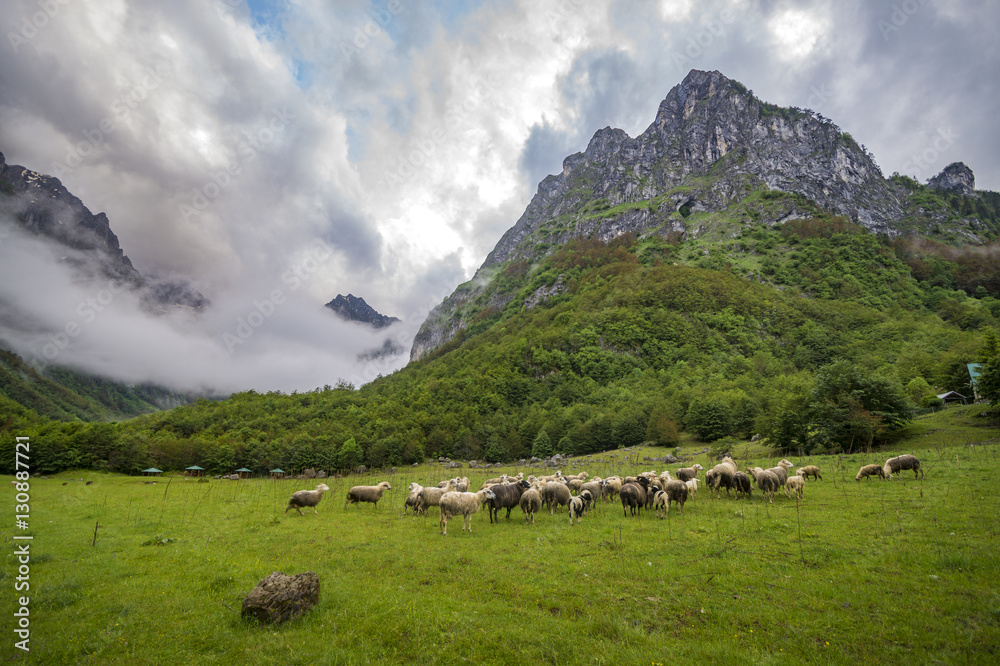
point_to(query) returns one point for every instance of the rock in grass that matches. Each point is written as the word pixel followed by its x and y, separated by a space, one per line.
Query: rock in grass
pixel 280 597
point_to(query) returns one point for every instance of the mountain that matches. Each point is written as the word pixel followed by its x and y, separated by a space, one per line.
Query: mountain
pixel 656 291
pixel 41 205
pixel 354 308
pixel 714 161
pixel 66 395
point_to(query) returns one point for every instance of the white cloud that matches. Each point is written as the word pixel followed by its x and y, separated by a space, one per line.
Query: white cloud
pixel 412 149
pixel 796 34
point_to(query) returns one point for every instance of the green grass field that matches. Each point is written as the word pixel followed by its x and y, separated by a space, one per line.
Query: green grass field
pixel 870 572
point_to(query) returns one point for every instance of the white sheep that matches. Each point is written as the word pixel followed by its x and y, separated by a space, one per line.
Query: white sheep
pixel 692 485
pixel 781 470
pixel 531 502
pixel 555 494
pixel 413 497
pixel 462 504
pixel 302 498
pixel 612 486
pixel 899 463
pixel 432 496
pixel 809 470
pixel 767 481
pixel 685 473
pixel 796 484
pixel 595 488
pixel 870 470
pixel 676 491
pixel 371 494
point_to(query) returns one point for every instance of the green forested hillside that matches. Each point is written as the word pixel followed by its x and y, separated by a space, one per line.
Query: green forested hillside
pixel 813 333
pixel 65 395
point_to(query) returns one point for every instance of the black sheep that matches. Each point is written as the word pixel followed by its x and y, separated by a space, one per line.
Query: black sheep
pixel 506 497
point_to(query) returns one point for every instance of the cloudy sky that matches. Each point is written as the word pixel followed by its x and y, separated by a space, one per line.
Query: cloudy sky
pixel 382 147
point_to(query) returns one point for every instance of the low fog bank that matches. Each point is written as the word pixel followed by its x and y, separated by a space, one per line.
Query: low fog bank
pixel 270 334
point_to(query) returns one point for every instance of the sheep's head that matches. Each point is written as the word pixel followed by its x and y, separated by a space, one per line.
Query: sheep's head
pixel 385 485
pixel 697 467
pixel 322 488
pixel 786 463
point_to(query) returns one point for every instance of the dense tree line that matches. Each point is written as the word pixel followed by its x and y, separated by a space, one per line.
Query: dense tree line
pixel 816 336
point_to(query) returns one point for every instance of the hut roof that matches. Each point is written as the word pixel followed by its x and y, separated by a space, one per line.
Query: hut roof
pixel 277 470
pixel 152 470
pixel 196 468
pixel 243 469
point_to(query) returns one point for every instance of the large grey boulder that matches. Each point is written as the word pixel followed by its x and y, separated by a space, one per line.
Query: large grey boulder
pixel 280 597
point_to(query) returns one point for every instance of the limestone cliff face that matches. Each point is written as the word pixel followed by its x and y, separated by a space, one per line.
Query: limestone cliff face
pixel 956 177
pixel 710 148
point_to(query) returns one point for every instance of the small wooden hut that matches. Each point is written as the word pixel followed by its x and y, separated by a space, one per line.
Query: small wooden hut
pixel 244 473
pixel 194 470
pixel 277 473
pixel 952 397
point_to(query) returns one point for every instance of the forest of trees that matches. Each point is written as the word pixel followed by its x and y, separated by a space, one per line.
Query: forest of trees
pixel 815 335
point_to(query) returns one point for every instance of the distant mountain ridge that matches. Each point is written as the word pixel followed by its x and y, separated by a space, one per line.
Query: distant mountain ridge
pixel 714 160
pixel 40 204
pixel 354 308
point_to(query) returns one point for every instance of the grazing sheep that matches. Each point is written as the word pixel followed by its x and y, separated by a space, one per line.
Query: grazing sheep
pixel 722 475
pixel 685 473
pixel 633 496
pixel 371 494
pixel 796 484
pixel 899 463
pixel 767 481
pixel 869 470
pixel 462 504
pixel 578 506
pixel 651 490
pixel 582 476
pixel 303 498
pixel 660 504
pixel 595 488
pixel 555 494
pixel 462 484
pixel 743 485
pixel 781 471
pixel 809 470
pixel 676 491
pixel 612 486
pixel 663 478
pixel 531 502
pixel 574 485
pixel 692 485
pixel 505 497
pixel 413 497
pixel 432 496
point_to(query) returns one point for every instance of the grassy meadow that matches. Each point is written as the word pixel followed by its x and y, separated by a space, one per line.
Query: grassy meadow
pixel 869 572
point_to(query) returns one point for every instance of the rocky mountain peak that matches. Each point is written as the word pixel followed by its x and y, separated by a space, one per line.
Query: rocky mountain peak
pixel 354 308
pixel 41 205
pixel 956 177
pixel 715 159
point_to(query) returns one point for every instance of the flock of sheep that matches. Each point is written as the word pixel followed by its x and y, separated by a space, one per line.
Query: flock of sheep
pixel 647 490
